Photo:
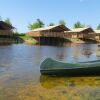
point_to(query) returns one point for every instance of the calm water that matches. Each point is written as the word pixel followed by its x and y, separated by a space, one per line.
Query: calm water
pixel 20 77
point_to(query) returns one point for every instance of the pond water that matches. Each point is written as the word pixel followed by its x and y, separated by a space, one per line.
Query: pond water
pixel 20 77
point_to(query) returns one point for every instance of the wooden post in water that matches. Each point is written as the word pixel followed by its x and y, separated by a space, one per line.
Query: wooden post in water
pixel 39 40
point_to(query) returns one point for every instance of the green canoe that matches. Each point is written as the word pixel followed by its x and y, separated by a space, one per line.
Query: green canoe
pixel 53 67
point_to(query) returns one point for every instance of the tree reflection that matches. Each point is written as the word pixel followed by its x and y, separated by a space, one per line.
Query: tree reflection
pixel 49 82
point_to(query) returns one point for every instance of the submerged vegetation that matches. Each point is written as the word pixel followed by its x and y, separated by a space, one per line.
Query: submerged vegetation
pixel 55 88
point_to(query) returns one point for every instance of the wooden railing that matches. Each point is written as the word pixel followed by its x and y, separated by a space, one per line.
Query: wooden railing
pixel 64 35
pixel 47 34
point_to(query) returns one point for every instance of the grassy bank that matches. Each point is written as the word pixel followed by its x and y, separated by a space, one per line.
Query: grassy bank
pixel 27 39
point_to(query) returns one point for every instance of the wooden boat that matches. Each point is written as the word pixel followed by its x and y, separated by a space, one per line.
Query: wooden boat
pixel 53 67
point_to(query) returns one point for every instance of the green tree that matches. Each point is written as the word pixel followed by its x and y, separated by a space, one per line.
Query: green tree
pixel 8 21
pixel 62 22
pixel 37 24
pixel 78 25
pixel 98 27
pixel 33 26
pixel 51 24
pixel 41 24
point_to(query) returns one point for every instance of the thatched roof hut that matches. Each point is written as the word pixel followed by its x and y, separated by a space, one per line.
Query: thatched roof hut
pixel 55 28
pixel 5 29
pixel 53 31
pixel 80 32
pixel 5 26
pixel 6 33
pixel 97 34
pixel 97 31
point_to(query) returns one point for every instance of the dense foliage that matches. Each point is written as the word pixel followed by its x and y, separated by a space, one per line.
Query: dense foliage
pixel 37 24
pixel 79 25
pixel 8 21
pixel 62 22
pixel 51 24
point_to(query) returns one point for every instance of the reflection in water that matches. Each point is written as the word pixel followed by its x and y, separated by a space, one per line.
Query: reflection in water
pixel 87 53
pixel 20 77
pixel 50 82
pixel 87 50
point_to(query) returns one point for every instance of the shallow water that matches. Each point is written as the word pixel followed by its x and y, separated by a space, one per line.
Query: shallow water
pixel 20 77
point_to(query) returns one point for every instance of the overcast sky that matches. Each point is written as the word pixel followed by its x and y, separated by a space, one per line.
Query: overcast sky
pixel 23 12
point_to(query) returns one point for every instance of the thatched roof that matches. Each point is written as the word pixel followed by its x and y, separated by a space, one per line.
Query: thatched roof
pixel 5 26
pixel 78 30
pixel 97 31
pixel 54 28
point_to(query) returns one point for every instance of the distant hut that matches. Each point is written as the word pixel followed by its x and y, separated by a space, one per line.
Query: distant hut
pixel 51 31
pixel 97 35
pixel 82 33
pixel 6 32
